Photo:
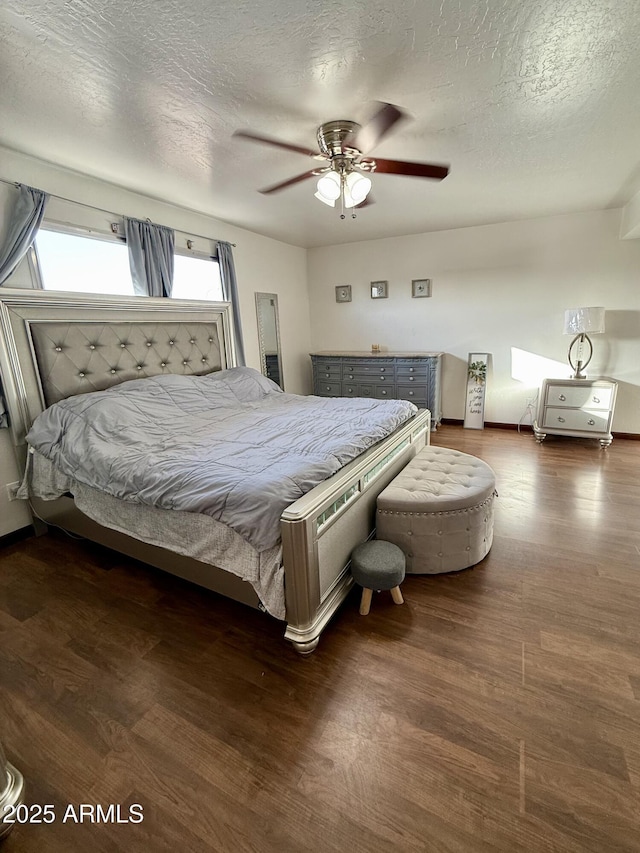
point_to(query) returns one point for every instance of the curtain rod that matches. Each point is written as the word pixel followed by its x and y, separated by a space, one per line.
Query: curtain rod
pixel 111 213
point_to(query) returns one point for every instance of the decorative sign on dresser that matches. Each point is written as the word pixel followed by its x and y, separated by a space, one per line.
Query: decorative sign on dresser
pixel 581 408
pixel 414 376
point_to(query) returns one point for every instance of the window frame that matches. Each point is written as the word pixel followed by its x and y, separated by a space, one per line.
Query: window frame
pixel 73 231
pixel 113 236
pixel 201 256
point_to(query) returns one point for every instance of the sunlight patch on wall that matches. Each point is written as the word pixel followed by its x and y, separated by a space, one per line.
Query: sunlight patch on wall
pixel 531 368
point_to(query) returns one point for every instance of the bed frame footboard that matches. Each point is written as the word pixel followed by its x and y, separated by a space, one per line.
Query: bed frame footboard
pixel 320 530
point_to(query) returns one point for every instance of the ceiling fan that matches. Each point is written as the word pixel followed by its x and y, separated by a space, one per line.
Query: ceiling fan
pixel 343 146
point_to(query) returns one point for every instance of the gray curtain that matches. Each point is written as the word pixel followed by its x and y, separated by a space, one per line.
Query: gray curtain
pixel 230 294
pixel 24 221
pixel 150 257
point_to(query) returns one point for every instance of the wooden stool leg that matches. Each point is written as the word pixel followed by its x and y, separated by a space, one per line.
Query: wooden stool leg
pixel 397 595
pixel 365 603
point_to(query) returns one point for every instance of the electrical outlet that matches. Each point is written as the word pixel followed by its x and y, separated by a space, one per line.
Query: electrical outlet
pixel 12 489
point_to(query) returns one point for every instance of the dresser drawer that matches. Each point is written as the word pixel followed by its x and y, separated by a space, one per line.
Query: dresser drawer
pixel 367 368
pixel 584 420
pixel 373 378
pixel 352 389
pixel 407 373
pixel 589 397
pixel 357 389
pixel 328 389
pixel 328 371
pixel 412 381
pixel 416 394
pixel 385 392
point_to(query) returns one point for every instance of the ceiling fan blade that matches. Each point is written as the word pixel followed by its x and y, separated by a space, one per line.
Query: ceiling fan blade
pixel 283 184
pixel 377 127
pixel 414 170
pixel 267 140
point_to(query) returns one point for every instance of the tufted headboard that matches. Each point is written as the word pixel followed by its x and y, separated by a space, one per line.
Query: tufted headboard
pixel 54 345
pixel 74 358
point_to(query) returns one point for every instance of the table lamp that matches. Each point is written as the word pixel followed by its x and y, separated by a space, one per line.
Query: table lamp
pixel 579 321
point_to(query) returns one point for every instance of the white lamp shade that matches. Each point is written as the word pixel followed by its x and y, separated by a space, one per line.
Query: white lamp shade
pixel 358 186
pixel 580 320
pixel 325 200
pixel 329 186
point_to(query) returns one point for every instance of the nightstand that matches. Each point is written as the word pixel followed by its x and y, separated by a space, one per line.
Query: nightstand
pixel 581 408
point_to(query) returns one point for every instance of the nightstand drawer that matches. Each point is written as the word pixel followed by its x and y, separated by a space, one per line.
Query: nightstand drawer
pixel 584 420
pixel 574 397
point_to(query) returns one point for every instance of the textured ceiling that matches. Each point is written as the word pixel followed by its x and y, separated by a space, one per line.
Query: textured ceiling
pixel 535 105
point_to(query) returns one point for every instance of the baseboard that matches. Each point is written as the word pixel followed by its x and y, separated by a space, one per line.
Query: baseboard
pixel 16 536
pixel 631 436
pixel 490 424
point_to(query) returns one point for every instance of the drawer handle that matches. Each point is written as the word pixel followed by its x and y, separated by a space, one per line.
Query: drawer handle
pixel 596 399
pixel 384 392
pixel 328 375
pixel 382 378
pixel 411 393
pixel 560 419
pixel 411 370
pixel 382 369
pixel 412 379
pixel 350 390
pixel 562 397
pixel 328 388
pixel 350 377
pixel 591 422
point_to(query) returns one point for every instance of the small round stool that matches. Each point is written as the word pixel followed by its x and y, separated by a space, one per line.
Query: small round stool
pixel 377 565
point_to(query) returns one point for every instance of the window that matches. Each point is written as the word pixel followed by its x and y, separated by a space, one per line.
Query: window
pixel 196 277
pixel 83 264
pixel 90 263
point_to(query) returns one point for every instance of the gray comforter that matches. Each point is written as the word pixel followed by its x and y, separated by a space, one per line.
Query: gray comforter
pixel 231 444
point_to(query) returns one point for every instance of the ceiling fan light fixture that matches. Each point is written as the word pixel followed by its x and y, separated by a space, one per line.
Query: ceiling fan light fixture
pixel 358 187
pixel 329 187
pixel 324 200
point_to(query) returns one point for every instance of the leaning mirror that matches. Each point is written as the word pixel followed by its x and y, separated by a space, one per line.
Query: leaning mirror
pixel 269 336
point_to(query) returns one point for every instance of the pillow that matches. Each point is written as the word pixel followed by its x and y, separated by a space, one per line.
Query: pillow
pixel 247 384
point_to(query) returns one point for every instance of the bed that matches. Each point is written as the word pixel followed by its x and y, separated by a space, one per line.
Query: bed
pixel 55 346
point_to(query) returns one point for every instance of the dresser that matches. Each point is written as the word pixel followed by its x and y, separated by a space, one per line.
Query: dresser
pixel 582 408
pixel 414 376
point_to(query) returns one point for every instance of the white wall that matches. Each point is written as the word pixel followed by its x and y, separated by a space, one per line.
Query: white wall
pixel 262 264
pixel 500 289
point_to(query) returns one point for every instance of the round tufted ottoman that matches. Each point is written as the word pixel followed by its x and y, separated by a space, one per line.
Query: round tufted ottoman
pixel 377 565
pixel 439 511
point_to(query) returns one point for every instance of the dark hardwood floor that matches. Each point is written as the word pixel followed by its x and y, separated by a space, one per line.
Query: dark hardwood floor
pixel 497 710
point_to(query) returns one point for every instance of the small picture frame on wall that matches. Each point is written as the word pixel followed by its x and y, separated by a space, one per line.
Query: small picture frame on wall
pixel 379 289
pixel 343 293
pixel 420 287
